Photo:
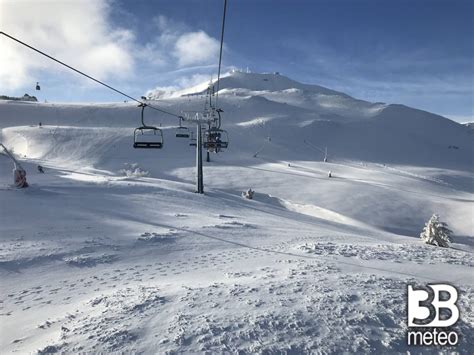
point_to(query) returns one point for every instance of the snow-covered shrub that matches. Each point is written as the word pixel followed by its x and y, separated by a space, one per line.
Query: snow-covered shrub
pixel 248 194
pixel 133 170
pixel 436 232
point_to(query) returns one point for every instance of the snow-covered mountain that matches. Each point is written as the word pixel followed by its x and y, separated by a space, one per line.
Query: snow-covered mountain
pixel 470 125
pixel 260 105
pixel 111 250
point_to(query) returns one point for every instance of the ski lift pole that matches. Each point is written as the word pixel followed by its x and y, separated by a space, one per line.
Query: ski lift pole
pixel 199 181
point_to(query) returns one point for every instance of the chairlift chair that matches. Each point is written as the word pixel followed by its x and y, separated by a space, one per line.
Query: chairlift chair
pixel 216 139
pixel 147 136
pixel 181 131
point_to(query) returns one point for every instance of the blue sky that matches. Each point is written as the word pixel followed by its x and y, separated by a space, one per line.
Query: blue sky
pixel 414 52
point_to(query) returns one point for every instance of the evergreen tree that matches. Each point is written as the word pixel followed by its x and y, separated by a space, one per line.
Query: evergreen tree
pixel 436 232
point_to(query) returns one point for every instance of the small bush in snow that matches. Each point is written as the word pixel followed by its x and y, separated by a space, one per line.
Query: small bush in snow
pixel 248 194
pixel 133 170
pixel 436 232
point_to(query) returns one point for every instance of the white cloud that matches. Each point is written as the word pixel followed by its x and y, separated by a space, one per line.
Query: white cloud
pixel 151 53
pixel 197 81
pixel 175 45
pixel 178 44
pixel 193 80
pixel 196 48
pixel 76 32
pixel 162 92
pixel 81 34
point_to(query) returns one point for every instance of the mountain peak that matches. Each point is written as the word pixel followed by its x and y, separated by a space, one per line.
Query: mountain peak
pixel 269 82
pixel 252 82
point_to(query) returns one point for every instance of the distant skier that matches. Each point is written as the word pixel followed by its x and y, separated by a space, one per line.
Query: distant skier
pixel 40 169
pixel 40 125
pixel 329 174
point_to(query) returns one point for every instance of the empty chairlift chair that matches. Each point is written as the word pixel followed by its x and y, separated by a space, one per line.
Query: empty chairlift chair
pixel 192 140
pixel 182 132
pixel 147 136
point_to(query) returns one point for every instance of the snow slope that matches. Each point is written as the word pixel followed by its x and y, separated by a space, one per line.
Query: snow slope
pixel 111 250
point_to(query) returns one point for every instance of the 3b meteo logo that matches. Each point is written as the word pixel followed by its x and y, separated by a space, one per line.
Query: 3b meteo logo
pixel 430 308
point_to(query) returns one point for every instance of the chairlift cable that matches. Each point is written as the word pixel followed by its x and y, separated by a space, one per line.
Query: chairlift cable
pixel 88 76
pixel 220 51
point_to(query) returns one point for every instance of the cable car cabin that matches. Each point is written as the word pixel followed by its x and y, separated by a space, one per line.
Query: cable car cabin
pixel 216 140
pixel 148 137
pixel 38 86
pixel 182 132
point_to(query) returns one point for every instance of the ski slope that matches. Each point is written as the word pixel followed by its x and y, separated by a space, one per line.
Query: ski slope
pixel 111 249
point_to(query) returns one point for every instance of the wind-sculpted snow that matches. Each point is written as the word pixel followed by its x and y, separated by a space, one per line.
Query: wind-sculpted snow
pixel 267 310
pixel 88 260
pixel 103 322
pixel 392 252
pixel 154 237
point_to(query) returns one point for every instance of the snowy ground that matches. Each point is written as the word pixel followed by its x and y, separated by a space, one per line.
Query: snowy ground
pixel 111 249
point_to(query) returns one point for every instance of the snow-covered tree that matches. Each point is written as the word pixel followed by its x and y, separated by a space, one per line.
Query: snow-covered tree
pixel 436 232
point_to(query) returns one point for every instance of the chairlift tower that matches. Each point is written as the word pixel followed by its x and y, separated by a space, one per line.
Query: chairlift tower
pixel 199 119
pixel 199 175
